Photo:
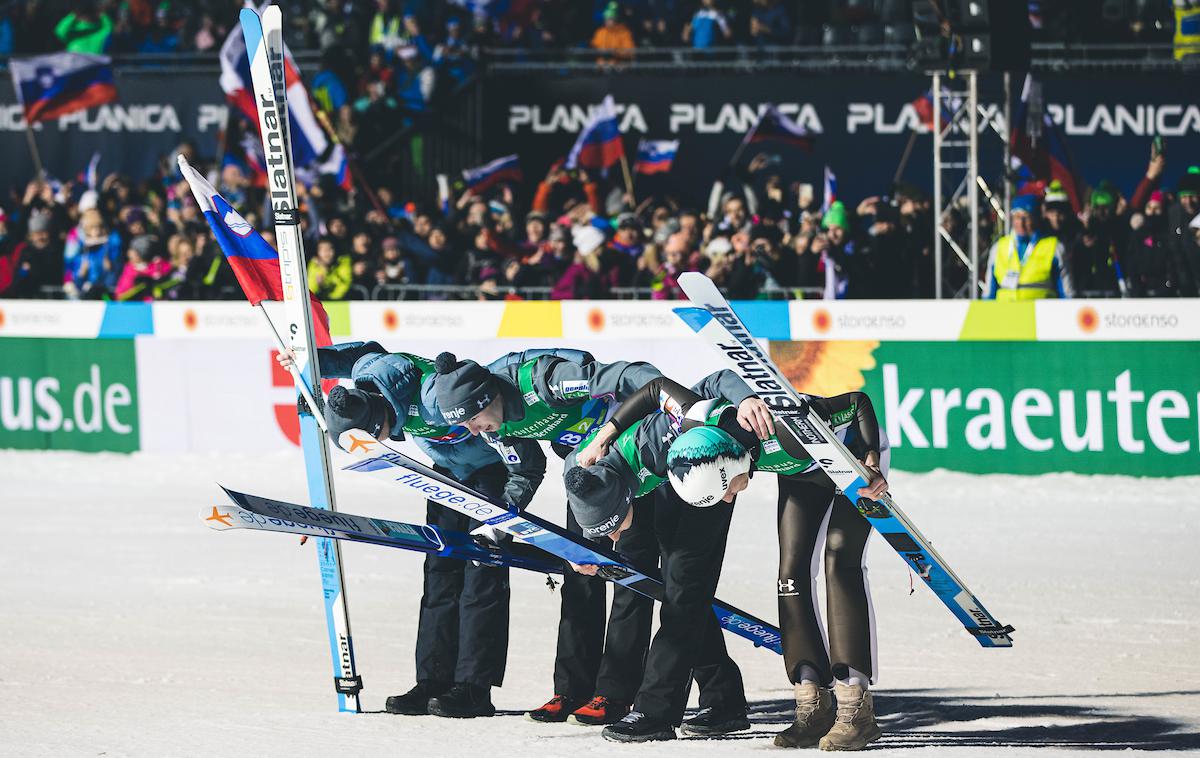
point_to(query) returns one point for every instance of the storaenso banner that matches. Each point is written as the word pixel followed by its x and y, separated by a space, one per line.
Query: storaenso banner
pixel 1030 407
pixel 65 394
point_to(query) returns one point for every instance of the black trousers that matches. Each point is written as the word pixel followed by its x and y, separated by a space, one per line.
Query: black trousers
pixel 810 512
pixel 689 642
pixel 462 635
pixel 588 661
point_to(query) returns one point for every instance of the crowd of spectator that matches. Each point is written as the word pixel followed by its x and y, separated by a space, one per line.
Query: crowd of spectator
pixel 577 236
pixel 163 26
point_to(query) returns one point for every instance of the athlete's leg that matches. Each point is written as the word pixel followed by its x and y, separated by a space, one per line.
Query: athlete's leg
pixel 804 509
pixel 580 631
pixel 484 605
pixel 851 620
pixel 632 613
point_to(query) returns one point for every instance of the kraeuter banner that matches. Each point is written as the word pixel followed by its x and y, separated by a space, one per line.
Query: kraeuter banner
pixel 1019 407
pixel 69 394
pixel 863 122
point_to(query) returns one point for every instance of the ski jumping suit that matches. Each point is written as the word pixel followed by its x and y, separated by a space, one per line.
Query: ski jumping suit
pixel 689 642
pixel 462 634
pixel 810 513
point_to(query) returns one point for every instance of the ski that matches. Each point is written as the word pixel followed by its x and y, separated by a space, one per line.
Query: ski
pixel 264 48
pixel 385 464
pixel 270 515
pixel 715 320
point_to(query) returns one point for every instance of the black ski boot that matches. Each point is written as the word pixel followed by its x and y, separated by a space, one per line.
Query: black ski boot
pixel 637 727
pixel 463 701
pixel 415 702
pixel 713 721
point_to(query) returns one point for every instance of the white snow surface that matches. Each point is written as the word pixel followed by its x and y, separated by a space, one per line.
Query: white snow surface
pixel 129 629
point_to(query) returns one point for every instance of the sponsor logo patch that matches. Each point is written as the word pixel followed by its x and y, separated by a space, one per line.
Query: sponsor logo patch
pixel 576 388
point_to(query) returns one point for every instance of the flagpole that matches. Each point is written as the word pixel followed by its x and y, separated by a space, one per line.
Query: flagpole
pixel 351 163
pixel 301 384
pixel 745 141
pixel 33 150
pixel 1007 169
pixel 912 140
pixel 628 179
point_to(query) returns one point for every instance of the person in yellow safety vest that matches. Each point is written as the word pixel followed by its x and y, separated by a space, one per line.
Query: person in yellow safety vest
pixel 1187 29
pixel 1024 265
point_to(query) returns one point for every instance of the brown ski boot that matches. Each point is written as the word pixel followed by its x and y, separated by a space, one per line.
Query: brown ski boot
pixel 855 727
pixel 814 717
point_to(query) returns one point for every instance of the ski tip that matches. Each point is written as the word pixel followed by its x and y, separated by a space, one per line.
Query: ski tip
pixel 219 517
pixel 360 443
pixel 271 13
pixel 695 318
pixel 251 32
pixel 233 495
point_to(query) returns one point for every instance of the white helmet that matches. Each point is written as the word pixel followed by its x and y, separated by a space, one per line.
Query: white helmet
pixel 702 462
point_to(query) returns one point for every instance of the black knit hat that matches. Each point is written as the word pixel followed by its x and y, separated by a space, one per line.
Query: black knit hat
pixel 356 409
pixel 599 496
pixel 1189 184
pixel 464 388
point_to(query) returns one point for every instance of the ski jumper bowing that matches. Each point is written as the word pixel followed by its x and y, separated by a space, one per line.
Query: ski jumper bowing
pixel 714 457
pixel 692 544
pixel 462 631
pixel 709 458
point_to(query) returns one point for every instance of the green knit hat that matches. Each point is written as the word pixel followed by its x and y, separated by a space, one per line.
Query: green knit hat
pixel 1102 197
pixel 835 216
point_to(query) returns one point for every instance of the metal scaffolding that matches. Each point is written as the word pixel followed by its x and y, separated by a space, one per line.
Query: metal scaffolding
pixel 956 163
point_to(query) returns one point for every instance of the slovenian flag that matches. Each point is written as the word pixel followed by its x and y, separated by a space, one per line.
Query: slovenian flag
pixel 830 191
pixel 599 145
pixel 655 156
pixel 506 169
pixel 49 86
pixel 254 262
pixel 1038 144
pixel 924 108
pixel 311 148
pixel 776 127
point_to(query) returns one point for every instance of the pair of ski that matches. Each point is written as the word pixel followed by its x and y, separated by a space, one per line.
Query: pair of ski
pixel 714 319
pixel 539 545
pixel 269 515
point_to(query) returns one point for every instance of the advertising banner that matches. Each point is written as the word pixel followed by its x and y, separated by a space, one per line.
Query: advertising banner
pixel 156 110
pixel 862 123
pixel 69 394
pixel 1019 407
pixel 1078 386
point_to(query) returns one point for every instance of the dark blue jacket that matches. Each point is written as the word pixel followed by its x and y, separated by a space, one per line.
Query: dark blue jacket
pixel 399 381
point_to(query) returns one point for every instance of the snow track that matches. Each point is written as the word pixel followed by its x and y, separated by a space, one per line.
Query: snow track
pixel 128 629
